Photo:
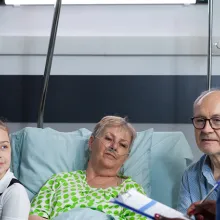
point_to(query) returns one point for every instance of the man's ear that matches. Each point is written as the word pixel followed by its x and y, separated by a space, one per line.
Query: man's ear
pixel 91 140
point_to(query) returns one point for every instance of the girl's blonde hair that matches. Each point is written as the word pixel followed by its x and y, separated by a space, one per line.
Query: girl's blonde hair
pixel 4 127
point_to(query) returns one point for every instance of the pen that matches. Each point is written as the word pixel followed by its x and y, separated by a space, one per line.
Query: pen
pixel 207 196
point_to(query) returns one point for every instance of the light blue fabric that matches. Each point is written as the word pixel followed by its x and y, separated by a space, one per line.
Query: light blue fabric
pixel 84 214
pixel 170 156
pixel 138 164
pixel 157 160
pixel 37 154
pixel 196 183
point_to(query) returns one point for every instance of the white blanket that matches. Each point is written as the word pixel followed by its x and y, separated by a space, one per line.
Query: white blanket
pixel 83 214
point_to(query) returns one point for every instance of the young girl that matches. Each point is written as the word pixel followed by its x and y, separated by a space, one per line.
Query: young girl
pixel 14 202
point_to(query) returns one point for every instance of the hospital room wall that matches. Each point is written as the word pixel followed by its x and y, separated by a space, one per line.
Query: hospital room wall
pixel 140 27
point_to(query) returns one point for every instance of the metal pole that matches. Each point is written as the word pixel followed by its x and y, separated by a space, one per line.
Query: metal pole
pixel 49 60
pixel 209 63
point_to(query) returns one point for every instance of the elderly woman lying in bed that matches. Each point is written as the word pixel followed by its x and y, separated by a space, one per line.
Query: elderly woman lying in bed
pixel 109 147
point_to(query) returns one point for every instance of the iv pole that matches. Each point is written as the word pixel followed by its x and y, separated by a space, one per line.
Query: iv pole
pixel 210 28
pixel 49 59
pixel 52 45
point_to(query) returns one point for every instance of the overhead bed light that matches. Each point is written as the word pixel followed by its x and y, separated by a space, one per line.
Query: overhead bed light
pixel 73 2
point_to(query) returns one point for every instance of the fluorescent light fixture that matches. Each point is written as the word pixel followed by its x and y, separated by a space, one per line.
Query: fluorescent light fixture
pixel 92 2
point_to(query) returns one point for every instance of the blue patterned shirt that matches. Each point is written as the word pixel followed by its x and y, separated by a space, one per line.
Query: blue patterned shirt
pixel 196 183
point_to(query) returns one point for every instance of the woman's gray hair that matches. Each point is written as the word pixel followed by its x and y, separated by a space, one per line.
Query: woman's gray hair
pixel 114 121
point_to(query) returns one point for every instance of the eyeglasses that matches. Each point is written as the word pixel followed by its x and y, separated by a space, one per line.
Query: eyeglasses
pixel 200 122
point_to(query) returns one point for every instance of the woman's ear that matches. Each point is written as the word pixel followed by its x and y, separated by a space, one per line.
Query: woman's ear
pixel 91 140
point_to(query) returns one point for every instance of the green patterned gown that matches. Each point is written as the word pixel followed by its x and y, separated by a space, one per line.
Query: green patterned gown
pixel 69 190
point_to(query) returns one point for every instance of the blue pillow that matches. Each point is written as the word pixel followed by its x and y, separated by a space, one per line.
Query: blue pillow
pixel 138 164
pixel 170 156
pixel 37 154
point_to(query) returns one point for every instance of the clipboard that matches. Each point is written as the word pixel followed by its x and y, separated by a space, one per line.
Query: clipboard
pixel 141 204
pixel 133 209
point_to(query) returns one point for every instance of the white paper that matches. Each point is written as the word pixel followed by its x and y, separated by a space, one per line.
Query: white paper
pixel 142 203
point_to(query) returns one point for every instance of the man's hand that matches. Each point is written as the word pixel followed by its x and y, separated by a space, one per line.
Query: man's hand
pixel 206 210
pixel 160 217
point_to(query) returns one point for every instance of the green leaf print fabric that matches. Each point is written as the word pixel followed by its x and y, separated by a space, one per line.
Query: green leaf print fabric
pixel 69 190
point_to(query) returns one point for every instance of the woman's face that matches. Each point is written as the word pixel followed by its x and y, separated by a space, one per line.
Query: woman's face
pixel 5 152
pixel 115 138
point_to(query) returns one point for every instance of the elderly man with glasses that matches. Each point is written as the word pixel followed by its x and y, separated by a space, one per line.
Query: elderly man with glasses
pixel 201 176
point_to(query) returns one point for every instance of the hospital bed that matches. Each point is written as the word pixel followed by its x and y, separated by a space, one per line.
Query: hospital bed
pixel 157 160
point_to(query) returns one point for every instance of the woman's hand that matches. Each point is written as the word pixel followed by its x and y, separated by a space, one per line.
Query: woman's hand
pixel 35 217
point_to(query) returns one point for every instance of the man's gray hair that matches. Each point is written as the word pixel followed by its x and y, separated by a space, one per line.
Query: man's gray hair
pixel 203 94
